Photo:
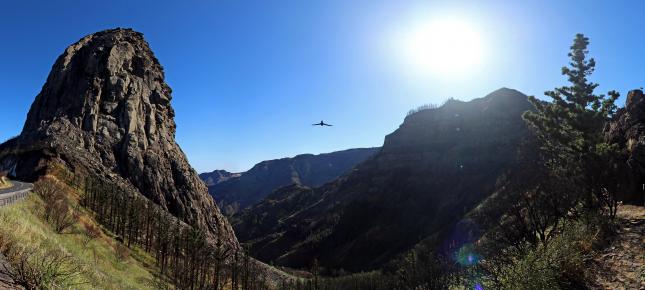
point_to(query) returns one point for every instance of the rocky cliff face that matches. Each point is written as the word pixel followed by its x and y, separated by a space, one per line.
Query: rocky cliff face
pixel 628 131
pixel 310 170
pixel 431 171
pixel 105 109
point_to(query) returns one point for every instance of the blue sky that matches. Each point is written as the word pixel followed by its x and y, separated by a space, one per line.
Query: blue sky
pixel 249 77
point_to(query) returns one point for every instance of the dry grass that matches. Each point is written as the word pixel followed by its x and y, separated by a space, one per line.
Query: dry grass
pixel 92 249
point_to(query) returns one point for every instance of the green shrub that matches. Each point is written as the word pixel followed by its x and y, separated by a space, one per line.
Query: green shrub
pixel 560 263
pixel 42 266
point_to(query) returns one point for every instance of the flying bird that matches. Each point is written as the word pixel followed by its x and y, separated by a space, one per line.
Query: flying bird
pixel 321 124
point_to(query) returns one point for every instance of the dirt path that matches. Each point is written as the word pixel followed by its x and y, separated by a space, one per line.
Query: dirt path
pixel 622 264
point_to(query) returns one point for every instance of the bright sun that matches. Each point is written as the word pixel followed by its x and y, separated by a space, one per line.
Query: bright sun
pixel 442 47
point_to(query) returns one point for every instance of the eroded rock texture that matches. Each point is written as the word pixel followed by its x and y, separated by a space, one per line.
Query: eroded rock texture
pixel 628 131
pixel 105 109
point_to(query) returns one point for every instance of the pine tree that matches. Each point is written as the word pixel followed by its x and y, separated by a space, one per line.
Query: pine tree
pixel 570 128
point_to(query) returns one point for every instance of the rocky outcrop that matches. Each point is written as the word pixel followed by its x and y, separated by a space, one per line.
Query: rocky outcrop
pixel 310 170
pixel 436 167
pixel 217 176
pixel 105 110
pixel 628 131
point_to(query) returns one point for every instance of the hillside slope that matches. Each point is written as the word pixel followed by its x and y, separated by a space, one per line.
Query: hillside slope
pixel 98 258
pixel 436 167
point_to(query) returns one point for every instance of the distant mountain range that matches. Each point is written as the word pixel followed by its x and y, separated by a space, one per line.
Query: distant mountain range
pixel 235 191
pixel 435 168
pixel 217 176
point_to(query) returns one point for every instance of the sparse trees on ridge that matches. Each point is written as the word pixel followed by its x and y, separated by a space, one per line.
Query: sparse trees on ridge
pixel 182 252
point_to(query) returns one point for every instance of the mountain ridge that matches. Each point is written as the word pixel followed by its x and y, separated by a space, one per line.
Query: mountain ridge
pixel 250 187
pixel 390 202
pixel 217 176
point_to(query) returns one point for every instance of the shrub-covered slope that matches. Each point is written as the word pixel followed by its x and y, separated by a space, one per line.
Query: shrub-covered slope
pixel 83 255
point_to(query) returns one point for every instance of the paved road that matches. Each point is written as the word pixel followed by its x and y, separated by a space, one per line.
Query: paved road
pixel 8 196
pixel 17 192
pixel 17 186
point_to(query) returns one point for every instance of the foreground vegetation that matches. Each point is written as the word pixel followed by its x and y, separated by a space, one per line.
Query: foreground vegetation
pixel 99 237
pixel 183 253
pixel 73 252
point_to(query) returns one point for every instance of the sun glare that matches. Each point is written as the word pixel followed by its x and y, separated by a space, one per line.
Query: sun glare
pixel 442 47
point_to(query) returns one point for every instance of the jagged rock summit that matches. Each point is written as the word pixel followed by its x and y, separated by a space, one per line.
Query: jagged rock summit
pixel 105 109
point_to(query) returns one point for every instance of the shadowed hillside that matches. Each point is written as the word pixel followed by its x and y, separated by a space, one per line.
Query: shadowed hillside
pixel 431 171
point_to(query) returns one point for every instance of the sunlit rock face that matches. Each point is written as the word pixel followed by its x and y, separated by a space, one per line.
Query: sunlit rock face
pixel 627 129
pixel 436 167
pixel 105 109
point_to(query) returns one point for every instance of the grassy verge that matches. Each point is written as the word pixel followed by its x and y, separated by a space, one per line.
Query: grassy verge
pixel 98 257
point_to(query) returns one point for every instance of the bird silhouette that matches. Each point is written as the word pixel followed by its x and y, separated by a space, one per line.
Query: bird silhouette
pixel 321 124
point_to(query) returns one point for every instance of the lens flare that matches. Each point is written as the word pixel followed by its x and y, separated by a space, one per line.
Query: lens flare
pixel 466 255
